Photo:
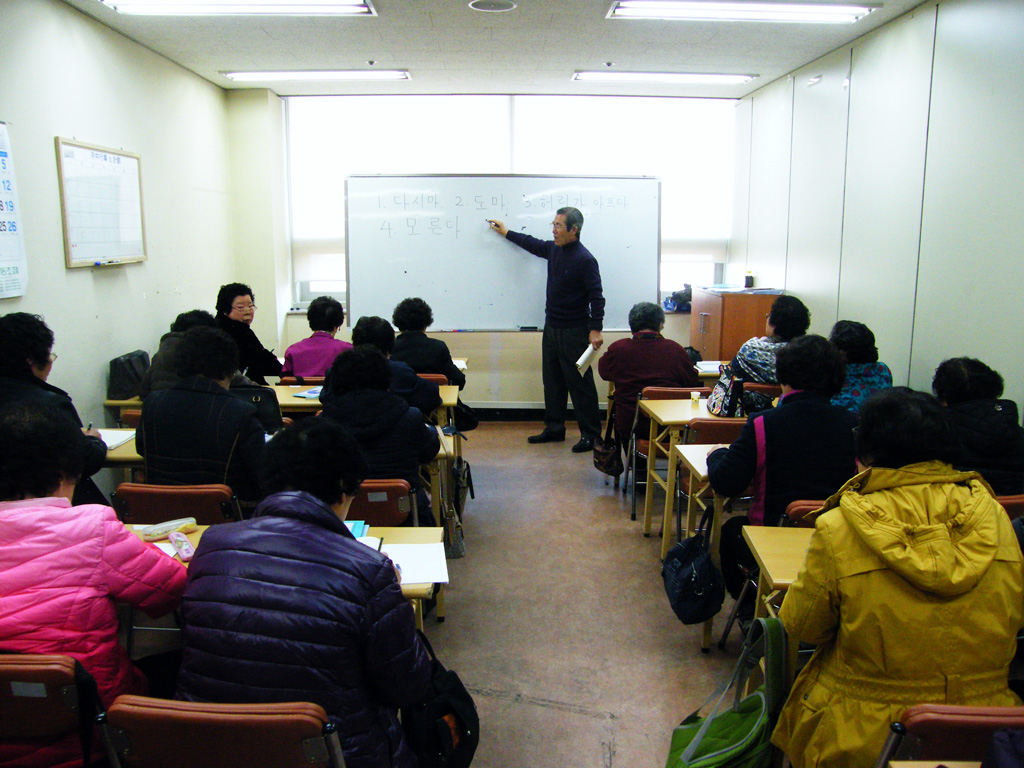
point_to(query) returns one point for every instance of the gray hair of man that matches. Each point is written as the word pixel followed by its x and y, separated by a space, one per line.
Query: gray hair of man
pixel 573 218
pixel 646 316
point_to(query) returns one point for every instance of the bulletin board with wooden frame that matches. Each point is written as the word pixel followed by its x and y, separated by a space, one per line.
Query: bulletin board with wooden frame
pixel 101 205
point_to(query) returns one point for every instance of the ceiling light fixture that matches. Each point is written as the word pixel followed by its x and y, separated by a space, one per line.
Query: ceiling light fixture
pixel 694 10
pixel 671 78
pixel 492 6
pixel 318 75
pixel 243 7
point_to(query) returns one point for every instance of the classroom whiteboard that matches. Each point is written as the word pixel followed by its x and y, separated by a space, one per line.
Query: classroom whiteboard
pixel 428 236
pixel 101 205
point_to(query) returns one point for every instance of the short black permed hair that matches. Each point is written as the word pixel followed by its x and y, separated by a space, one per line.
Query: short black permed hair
pixel 789 317
pixel 208 352
pixel 25 340
pixel 317 456
pixel 855 340
pixel 39 447
pixel 899 426
pixel 811 363
pixel 376 331
pixel 325 314
pixel 965 378
pixel 412 315
pixel 228 293
pixel 363 367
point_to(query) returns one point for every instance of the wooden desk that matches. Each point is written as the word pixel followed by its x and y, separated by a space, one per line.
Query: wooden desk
pixel 415 593
pixel 438 476
pixel 694 459
pixel 780 554
pixel 292 405
pixel 708 378
pixel 124 455
pixel 668 422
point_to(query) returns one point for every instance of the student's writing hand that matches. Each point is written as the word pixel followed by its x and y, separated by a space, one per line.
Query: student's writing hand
pixel 92 432
pixel 498 227
pixel 596 339
pixel 398 568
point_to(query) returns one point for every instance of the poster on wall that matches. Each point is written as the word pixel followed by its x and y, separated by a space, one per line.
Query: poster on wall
pixel 13 268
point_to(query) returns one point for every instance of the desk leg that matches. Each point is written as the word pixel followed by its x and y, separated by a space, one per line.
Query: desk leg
pixel 434 470
pixel 668 523
pixel 440 606
pixel 651 474
pixel 417 610
pixel 713 545
pixel 691 506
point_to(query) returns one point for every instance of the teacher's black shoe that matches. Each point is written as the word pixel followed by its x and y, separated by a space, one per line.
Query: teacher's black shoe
pixel 585 444
pixel 547 436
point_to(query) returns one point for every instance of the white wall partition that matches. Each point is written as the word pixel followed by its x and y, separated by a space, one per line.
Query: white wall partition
pixel 820 107
pixel 972 238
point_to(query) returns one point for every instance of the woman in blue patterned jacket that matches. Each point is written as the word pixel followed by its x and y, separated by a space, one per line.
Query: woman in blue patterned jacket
pixel 288 606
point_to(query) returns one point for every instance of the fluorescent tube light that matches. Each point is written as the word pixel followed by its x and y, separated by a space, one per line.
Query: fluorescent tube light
pixel 673 78
pixel 695 10
pixel 336 75
pixel 243 7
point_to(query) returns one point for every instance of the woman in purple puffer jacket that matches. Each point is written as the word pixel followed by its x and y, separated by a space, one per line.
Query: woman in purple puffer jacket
pixel 288 606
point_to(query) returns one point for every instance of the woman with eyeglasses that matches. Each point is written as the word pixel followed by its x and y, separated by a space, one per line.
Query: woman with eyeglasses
pixel 236 308
pixel 26 359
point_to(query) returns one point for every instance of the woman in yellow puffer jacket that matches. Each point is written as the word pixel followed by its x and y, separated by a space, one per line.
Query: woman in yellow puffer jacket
pixel 913 591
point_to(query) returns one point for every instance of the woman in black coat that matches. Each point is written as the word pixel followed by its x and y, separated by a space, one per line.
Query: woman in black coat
pixel 236 308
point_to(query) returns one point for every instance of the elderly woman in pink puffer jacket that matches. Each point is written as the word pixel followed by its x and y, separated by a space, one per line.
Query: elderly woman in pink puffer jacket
pixel 63 568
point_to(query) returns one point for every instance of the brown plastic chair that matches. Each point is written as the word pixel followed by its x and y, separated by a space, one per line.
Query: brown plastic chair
pixel 639 447
pixel 942 732
pixel 435 378
pixel 130 417
pixel 148 504
pixel 384 503
pixel 798 510
pixel 1014 505
pixel 311 381
pixel 772 390
pixel 39 697
pixel 140 732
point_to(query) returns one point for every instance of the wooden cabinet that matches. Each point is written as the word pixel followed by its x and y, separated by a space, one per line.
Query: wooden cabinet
pixel 720 321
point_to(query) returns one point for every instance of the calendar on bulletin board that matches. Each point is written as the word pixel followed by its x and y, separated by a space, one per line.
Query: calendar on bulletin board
pixel 101 205
pixel 13 267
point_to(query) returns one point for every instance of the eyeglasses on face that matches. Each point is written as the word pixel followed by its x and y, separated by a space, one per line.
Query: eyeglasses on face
pixel 558 225
pixel 243 307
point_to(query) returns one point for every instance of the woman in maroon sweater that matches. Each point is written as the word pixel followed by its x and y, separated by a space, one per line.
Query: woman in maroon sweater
pixel 646 360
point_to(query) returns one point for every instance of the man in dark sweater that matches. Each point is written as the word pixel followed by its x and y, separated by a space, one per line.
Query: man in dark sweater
pixel 573 319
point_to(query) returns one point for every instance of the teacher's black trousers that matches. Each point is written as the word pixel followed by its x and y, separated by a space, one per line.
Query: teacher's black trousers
pixel 560 349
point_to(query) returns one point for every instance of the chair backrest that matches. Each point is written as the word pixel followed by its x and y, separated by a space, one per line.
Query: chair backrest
pixel 434 378
pixel 141 732
pixel 951 733
pixel 672 393
pixel 311 381
pixel 130 417
pixel 798 510
pixel 1014 505
pixel 38 697
pixel 772 390
pixel 383 502
pixel 714 430
pixel 142 503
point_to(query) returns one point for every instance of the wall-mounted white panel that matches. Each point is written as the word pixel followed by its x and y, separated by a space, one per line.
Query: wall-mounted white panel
pixel 817 181
pixel 769 185
pixel 972 238
pixel 741 186
pixel 889 90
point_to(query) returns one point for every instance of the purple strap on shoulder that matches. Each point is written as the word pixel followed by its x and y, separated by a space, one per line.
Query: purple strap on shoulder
pixel 757 506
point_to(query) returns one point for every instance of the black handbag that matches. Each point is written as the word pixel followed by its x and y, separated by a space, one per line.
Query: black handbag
pixel 443 729
pixel 126 374
pixel 265 400
pixel 608 452
pixel 465 417
pixel 694 586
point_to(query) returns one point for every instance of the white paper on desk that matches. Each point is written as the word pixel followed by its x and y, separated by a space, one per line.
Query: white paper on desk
pixel 586 358
pixel 371 541
pixel 166 547
pixel 310 394
pixel 709 366
pixel 460 364
pixel 115 437
pixel 420 563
